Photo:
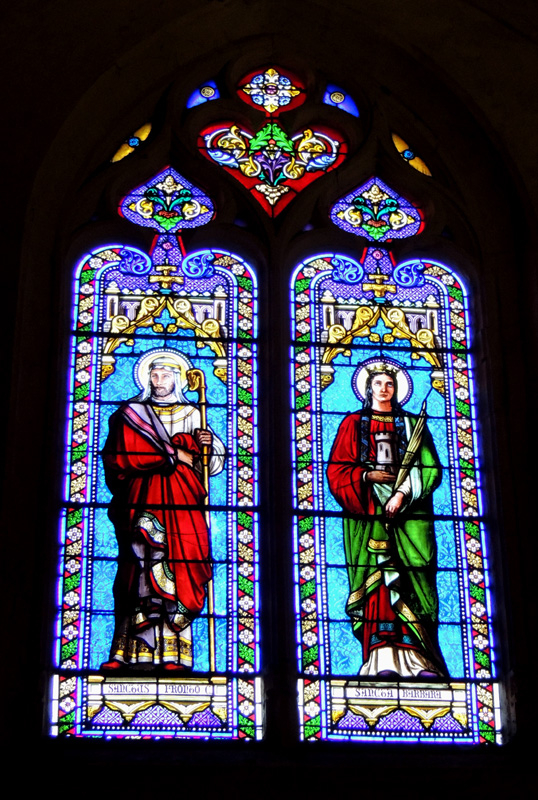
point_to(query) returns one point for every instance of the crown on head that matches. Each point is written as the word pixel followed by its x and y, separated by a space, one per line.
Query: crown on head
pixel 382 368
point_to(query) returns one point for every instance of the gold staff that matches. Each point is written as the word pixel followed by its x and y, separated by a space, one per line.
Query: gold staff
pixel 196 381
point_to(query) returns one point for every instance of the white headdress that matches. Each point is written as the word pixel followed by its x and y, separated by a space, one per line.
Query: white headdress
pixel 162 358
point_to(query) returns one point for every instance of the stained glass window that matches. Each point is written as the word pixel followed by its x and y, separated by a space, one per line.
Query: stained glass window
pixel 392 600
pixel 158 601
pixel 134 141
pixel 378 213
pixel 158 598
pixel 409 155
pixel 335 96
pixel 272 162
pixel 272 90
pixel 206 92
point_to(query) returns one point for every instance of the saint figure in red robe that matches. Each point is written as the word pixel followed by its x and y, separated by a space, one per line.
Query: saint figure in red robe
pixel 153 465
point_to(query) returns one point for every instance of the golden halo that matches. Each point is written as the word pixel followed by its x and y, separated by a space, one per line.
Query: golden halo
pixel 173 358
pixel 405 384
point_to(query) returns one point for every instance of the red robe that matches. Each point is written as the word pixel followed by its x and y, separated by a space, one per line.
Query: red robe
pixel 157 502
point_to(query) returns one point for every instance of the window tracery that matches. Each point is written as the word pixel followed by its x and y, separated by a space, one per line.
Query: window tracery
pixel 197 309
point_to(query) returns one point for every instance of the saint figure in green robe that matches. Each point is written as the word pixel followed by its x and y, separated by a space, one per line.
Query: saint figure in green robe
pixel 389 535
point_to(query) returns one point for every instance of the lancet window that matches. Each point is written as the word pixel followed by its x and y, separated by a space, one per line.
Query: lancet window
pixel 158 592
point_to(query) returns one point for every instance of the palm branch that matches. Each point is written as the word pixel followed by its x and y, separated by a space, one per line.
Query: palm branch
pixel 412 448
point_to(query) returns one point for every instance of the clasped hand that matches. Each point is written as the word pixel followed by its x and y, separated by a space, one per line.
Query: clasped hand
pixel 380 476
pixel 204 438
pixel 394 503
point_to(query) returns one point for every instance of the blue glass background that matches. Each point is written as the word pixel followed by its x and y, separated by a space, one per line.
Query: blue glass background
pixel 102 631
pixel 346 652
pixel 334 542
pixel 104 541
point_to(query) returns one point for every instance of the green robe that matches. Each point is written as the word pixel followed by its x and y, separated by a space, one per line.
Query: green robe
pixel 399 553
